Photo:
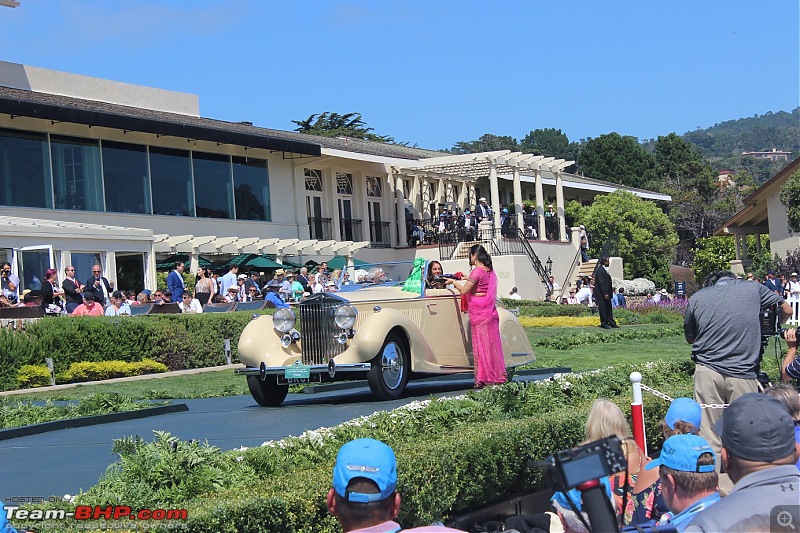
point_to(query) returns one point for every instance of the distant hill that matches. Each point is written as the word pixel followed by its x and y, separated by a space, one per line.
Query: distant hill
pixel 723 144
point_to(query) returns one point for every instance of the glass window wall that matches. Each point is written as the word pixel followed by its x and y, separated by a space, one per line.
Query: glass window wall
pixel 212 185
pixel 171 174
pixel 24 170
pixel 76 173
pixel 251 189
pixel 127 184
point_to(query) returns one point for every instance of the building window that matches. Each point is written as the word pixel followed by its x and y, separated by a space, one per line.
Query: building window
pixel 213 190
pixel 127 182
pixel 76 173
pixel 83 263
pixel 313 180
pixel 251 189
pixel 344 183
pixel 374 186
pixel 171 174
pixel 24 170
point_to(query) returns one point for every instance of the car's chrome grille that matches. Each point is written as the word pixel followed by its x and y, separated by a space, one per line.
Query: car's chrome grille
pixel 318 331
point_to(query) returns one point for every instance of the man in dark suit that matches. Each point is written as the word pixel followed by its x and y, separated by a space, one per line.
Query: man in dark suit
pixel 99 286
pixel 302 278
pixel 773 284
pixel 602 294
pixel 175 282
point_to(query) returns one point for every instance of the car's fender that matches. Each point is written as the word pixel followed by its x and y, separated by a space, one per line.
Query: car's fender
pixel 372 333
pixel 260 342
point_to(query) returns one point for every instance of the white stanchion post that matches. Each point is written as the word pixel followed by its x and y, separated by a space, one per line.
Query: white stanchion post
pixel 637 412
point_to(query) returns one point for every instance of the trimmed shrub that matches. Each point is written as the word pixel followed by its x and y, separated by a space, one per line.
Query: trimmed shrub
pixel 558 321
pixel 177 341
pixel 92 371
pixel 29 376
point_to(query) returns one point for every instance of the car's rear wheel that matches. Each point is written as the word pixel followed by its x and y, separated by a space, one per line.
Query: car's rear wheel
pixel 268 393
pixel 388 375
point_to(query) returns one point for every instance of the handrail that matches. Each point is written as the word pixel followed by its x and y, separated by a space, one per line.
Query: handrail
pixel 570 274
pixel 535 261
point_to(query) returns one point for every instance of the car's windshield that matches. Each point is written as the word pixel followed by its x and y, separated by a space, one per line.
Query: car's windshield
pixel 364 275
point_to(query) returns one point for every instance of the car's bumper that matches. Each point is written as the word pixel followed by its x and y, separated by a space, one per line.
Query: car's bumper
pixel 331 369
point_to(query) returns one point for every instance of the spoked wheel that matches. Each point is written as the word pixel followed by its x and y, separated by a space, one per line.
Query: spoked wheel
pixel 390 369
pixel 268 393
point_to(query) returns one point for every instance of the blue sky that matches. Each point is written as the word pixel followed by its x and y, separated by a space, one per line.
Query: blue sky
pixel 431 72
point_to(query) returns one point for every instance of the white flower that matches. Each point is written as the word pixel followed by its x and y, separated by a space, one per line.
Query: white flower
pixel 240 458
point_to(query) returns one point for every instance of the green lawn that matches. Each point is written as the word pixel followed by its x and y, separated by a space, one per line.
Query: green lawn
pixel 601 355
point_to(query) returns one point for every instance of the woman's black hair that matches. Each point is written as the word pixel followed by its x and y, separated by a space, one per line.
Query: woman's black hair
pixel 429 276
pixel 483 255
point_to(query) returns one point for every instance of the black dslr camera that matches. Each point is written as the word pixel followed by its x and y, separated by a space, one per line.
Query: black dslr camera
pixel 572 467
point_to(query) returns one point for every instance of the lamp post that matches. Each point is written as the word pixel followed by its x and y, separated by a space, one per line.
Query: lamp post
pixel 549 264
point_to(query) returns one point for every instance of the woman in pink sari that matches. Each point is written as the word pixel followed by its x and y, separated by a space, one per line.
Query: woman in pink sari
pixel 480 292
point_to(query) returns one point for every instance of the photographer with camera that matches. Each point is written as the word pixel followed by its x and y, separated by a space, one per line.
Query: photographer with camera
pixel 790 368
pixel 9 283
pixel 722 324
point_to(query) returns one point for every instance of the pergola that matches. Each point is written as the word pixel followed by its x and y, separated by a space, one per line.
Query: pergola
pixel 280 248
pixel 471 167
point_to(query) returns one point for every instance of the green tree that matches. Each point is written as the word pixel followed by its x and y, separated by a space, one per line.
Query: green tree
pixel 486 143
pixel 641 233
pixel 700 204
pixel 612 157
pixel 549 142
pixel 790 198
pixel 330 124
pixel 716 253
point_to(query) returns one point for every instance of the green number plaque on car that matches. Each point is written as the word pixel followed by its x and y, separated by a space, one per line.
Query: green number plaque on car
pixel 297 371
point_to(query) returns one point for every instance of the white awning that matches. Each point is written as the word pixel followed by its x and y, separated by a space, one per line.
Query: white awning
pixel 209 244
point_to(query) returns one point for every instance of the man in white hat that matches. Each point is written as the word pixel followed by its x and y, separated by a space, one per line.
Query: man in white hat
pixel 483 211
pixel 793 296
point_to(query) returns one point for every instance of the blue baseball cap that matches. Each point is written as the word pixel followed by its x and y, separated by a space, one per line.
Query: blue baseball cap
pixel 684 409
pixel 681 452
pixel 577 498
pixel 370 459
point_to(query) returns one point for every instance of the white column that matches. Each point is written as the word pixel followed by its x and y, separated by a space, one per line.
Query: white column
pixel 736 244
pixel 150 270
pixel 402 236
pixel 743 236
pixel 518 199
pixel 194 262
pixel 540 206
pixel 562 226
pixel 416 194
pixel 758 243
pixel 495 193
pixel 471 200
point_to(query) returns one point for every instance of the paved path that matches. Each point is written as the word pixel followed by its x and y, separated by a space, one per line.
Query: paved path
pixel 66 461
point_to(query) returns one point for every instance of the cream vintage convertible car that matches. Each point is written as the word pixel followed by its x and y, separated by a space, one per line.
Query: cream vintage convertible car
pixel 372 330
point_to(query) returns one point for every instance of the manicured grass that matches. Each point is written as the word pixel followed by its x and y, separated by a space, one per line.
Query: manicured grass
pixel 203 385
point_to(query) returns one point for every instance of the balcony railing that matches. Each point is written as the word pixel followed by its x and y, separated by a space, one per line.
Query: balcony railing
pixel 319 228
pixel 351 230
pixel 379 235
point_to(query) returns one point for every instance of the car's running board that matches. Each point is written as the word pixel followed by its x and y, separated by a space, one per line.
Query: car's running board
pixel 455 367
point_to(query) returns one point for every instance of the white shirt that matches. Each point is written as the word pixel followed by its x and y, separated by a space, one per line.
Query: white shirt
pixel 794 291
pixel 515 296
pixel 318 288
pixel 584 295
pixel 124 309
pixel 194 306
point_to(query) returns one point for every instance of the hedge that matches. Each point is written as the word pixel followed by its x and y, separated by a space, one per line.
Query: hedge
pixel 454 455
pixel 178 341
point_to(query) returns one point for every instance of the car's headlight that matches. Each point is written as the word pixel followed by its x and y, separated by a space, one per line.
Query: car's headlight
pixel 283 320
pixel 345 316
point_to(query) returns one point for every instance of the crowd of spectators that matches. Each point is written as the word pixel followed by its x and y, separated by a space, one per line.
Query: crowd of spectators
pixel 97 296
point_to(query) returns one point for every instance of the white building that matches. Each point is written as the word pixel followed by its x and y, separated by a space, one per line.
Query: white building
pixel 96 171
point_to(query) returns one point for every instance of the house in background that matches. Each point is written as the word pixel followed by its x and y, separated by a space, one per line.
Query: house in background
pixel 763 214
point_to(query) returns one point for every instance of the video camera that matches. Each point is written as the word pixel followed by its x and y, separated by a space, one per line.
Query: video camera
pixel 770 322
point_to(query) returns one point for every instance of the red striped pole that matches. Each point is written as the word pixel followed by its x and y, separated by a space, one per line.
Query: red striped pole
pixel 637 412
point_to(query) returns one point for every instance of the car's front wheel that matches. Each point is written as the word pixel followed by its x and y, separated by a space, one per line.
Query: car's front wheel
pixel 268 393
pixel 388 375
